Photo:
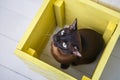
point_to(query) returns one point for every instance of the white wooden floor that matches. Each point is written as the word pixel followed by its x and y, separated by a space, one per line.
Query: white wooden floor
pixel 15 16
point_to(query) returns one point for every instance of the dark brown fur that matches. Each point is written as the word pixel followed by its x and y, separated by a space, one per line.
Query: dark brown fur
pixel 91 45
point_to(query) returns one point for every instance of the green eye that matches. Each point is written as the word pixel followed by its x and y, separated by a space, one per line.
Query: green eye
pixel 64 45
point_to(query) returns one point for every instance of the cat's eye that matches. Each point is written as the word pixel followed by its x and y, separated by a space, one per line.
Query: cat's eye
pixel 64 45
pixel 62 32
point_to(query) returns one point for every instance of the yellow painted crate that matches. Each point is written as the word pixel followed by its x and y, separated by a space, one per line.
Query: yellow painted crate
pixel 59 13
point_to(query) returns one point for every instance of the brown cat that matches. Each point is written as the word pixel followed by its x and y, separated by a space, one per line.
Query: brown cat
pixel 72 46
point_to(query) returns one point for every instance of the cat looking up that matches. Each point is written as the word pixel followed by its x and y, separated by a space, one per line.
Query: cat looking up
pixel 73 46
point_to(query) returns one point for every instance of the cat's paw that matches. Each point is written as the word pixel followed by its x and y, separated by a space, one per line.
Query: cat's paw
pixel 64 66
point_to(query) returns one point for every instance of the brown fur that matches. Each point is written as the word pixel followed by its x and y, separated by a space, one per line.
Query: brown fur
pixel 91 42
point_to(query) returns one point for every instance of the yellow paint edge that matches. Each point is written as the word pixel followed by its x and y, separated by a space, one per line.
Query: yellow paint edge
pixel 109 31
pixel 85 78
pixel 59 12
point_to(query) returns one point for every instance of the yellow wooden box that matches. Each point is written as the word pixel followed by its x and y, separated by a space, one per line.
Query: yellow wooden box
pixel 58 13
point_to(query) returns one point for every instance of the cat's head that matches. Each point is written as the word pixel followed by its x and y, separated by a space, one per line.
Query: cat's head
pixel 68 40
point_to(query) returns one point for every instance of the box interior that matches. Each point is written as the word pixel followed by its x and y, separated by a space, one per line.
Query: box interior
pixel 87 15
pixel 54 15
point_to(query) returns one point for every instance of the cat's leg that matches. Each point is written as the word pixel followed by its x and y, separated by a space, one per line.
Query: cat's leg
pixel 64 66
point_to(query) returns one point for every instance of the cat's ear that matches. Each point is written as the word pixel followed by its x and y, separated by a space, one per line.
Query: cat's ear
pixel 74 25
pixel 76 52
